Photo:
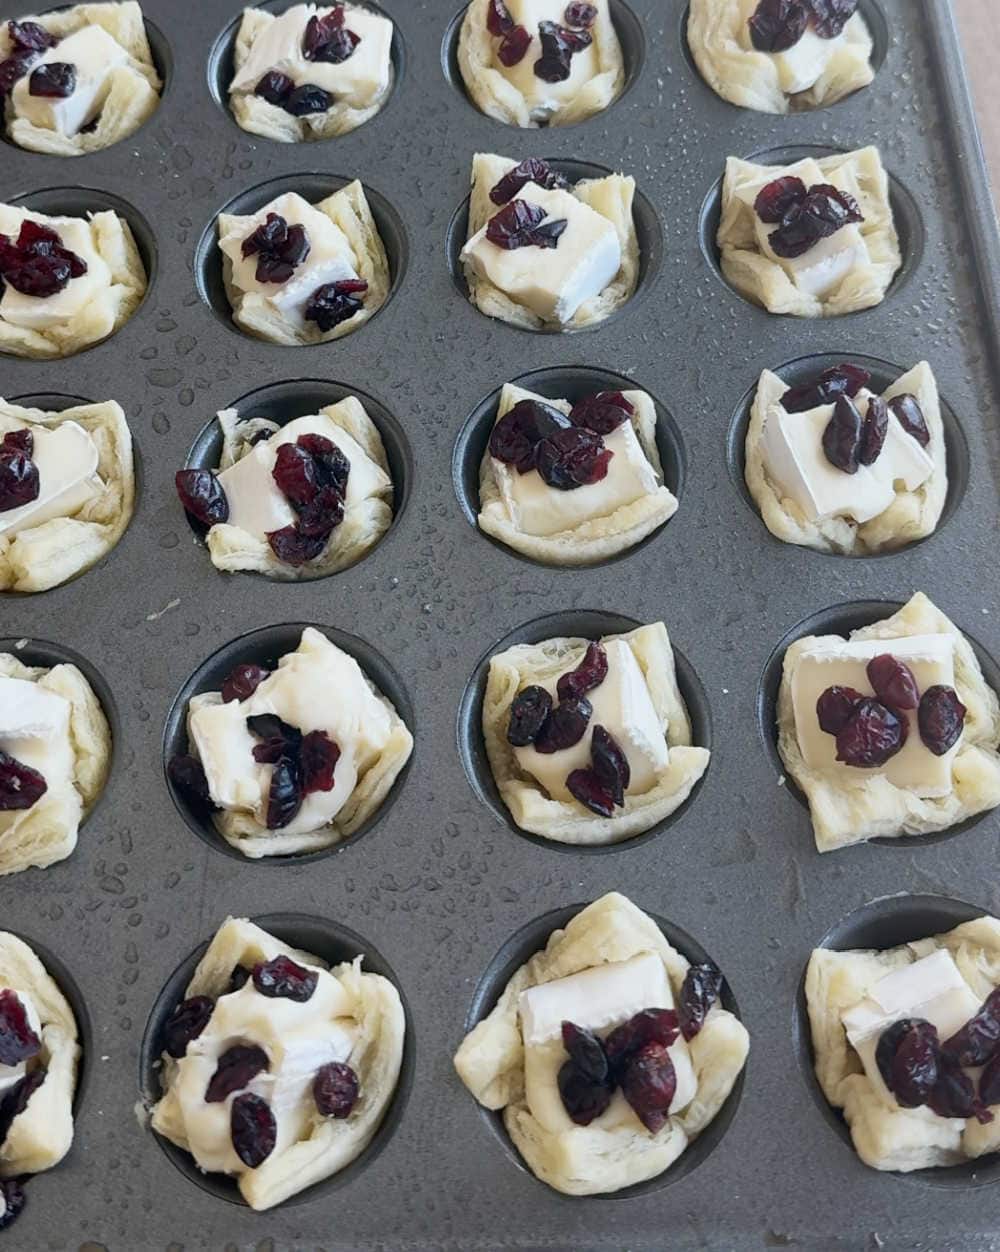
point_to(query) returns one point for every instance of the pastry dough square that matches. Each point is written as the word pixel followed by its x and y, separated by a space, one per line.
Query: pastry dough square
pixel 135 86
pixel 913 515
pixel 764 282
pixel 846 810
pixel 349 210
pixel 750 79
pixel 894 1138
pixel 48 555
pixel 377 1057
pixel 364 524
pixel 612 197
pixel 568 821
pixel 493 94
pixel 596 1160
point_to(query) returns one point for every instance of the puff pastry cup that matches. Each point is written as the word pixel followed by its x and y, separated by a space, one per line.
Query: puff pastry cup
pixel 41 1134
pixel 911 516
pixel 495 94
pixel 611 197
pixel 47 831
pixel 131 88
pixel 601 535
pixel 112 289
pixel 847 809
pixel 737 72
pixel 763 280
pixel 44 556
pixel 368 1004
pixel 615 1150
pixel 886 1135
pixel 567 820
pixel 350 213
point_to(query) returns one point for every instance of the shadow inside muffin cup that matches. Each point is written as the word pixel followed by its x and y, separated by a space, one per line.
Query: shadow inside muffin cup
pixel 649 235
pixel 884 374
pixel 570 383
pixel 320 937
pixel 523 945
pixel 586 624
pixel 842 619
pixel 265 647
pixel 881 924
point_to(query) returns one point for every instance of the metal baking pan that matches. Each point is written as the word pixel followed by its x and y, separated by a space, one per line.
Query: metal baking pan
pixel 440 889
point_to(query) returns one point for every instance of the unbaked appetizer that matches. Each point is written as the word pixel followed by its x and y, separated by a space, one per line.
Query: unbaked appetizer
pixel 277 1069
pixel 67 487
pixel 312 72
pixel 779 56
pixel 573 483
pixel 906 1044
pixel 608 1053
pixel 835 467
pixel 297 273
pixel 813 239
pixel 540 62
pixel 39 1055
pixel 295 759
pixel 589 741
pixel 892 731
pixel 294 501
pixel 68 282
pixel 544 254
pixel 55 751
pixel 77 79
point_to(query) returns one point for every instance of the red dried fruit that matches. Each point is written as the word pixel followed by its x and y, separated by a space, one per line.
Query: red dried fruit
pixel 565 726
pixel 699 991
pixel 774 200
pixel 531 170
pixel 582 1099
pixel 871 735
pixel 585 1051
pixel 18 441
pixel 893 682
pixel 989 1083
pixel 842 436
pixel 954 1095
pixel 13 1199
pixel 590 673
pixel 585 786
pixel 777 25
pixel 513 226
pixel 498 18
pixel 202 495
pixel 285 796
pixel 11 70
pixel 517 434
pixel 910 416
pixel 646 1026
pixel 319 757
pixel 253 1129
pixel 649 1084
pixel 242 682
pixel 333 467
pixel 838 380
pixel 37 264
pixel 295 475
pixel 187 1021
pixel 30 37
pixel 907 1057
pixel 824 211
pixel 20 785
pixel 279 249
pixel 610 764
pixel 293 548
pixel 54 81
pixel 238 1066
pixel 327 39
pixel 19 480
pixel 527 716
pixel 835 706
pixel 514 46
pixel 831 16
pixel 572 458
pixel 558 46
pixel 16 1099
pixel 18 1042
pixel 876 428
pixel 979 1039
pixel 239 977
pixel 334 303
pixel 308 99
pixel 335 1089
pixel 602 413
pixel 284 979
pixel 275 88
pixel 279 739
pixel 940 719
pixel 188 776
pixel 580 15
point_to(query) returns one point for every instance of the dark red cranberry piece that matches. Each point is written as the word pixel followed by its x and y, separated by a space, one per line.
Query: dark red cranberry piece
pixel 585 1051
pixel 185 1023
pixel 20 785
pixel 18 441
pixel 889 1041
pixel 584 785
pixel 12 1195
pixel 202 496
pixel 940 718
pixel 699 991
pixel 327 39
pixel 572 458
pixel 590 673
pixel 527 716
pixel 989 1083
pixel 335 1089
pixel 308 99
pixel 911 1061
pixel 53 81
pixel 531 170
pixel 954 1095
pixel 242 682
pixel 517 434
pixel 11 70
pixel 979 1039
pixel 823 212
pixel 280 249
pixel 285 796
pixel 275 88
pixel 339 48
pixel 582 1098
pixel 239 977
pixel 512 227
pixel 549 233
pixel 842 436
pixel 188 776
pixel 874 431
pixel 18 1042
pixel 580 15
pixel 19 480
pixel 253 1129
pixel 647 1026
pixel 295 475
pixel 294 548
pixel 774 200
pixel 278 738
pixel 894 682
pixel 334 468
pixel 831 16
pixel 334 303
pixel 16 1099
pixel 649 1083
pixel 839 380
pixel 610 764
pixel 565 726
pixel 238 1066
pixel 834 708
pixel 778 25
pixel 30 37
pixel 319 761
pixel 37 264
pixel 284 979
pixel 910 416
pixel 871 735
pixel 322 515
pixel 602 413
pixel 514 46
pixel 498 18
pixel 558 47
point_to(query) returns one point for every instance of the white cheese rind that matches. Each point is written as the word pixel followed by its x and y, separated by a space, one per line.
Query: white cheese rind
pixel 93 53
pixel 35 729
pixel 66 457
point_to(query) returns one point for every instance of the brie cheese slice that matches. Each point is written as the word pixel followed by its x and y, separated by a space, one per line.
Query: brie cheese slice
pixel 42 312
pixel 93 53
pixel 66 458
pixel 35 729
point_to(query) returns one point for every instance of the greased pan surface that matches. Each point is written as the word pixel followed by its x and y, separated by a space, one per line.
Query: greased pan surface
pixel 439 885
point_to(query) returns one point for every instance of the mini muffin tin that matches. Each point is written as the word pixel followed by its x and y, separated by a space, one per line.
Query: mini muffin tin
pixel 440 885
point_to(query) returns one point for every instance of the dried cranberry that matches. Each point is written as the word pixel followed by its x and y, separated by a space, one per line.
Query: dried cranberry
pixel 308 99
pixel 284 979
pixel 565 726
pixel 16 1099
pixel 319 761
pixel 37 264
pixel 18 1042
pixel 584 785
pixel 253 1129
pixel 610 764
pixel 646 1026
pixel 238 978
pixel 838 380
pixel 334 303
pixel 842 436
pixel 333 467
pixel 30 37
pixel 295 475
pixel 527 715
pixel 831 16
pixel 19 480
pixel 876 428
pixel 11 70
pixel 188 776
pixel 893 682
pixel 954 1095
pixel 835 706
pixel 913 1071
pixel 910 416
pixel 777 25
pixel 517 434
pixel 871 735
pixel 824 211
pixel 774 200
pixel 285 796
pixel 699 991
pixel 498 18
pixel 582 1098
pixel 602 413
pixel 53 81
pixel 13 1200
pixel 989 1083
pixel 335 1089
pixel 940 719
pixel 18 441
pixel 185 1023
pixel 238 1066
pixel 580 14
pixel 513 226
pixel 979 1039
pixel 202 496
pixel 242 682
pixel 21 787
pixel 531 170
pixel 327 39
pixel 585 1051
pixel 549 233
pixel 278 247
pixel 275 88
pixel 558 46
pixel 590 673
pixel 291 547
pixel 649 1084
pixel 514 46
pixel 572 458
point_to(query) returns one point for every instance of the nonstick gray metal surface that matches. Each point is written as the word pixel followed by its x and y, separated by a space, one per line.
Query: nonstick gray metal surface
pixel 439 885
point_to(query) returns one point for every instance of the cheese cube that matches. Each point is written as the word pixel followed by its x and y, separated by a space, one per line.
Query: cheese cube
pixel 66 458
pixel 543 98
pixel 93 53
pixel 277 47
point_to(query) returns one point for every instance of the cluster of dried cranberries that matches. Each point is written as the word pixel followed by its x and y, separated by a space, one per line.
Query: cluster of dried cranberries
pixel 279 248
pixel 803 216
pixel 337 302
pixel 568 452
pixel 280 90
pixel 559 42
pixel 521 224
pixel 312 475
pixel 36 263
pixel 28 42
pixel 777 25
pixel 328 39
pixel 302 764
pixel 531 170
